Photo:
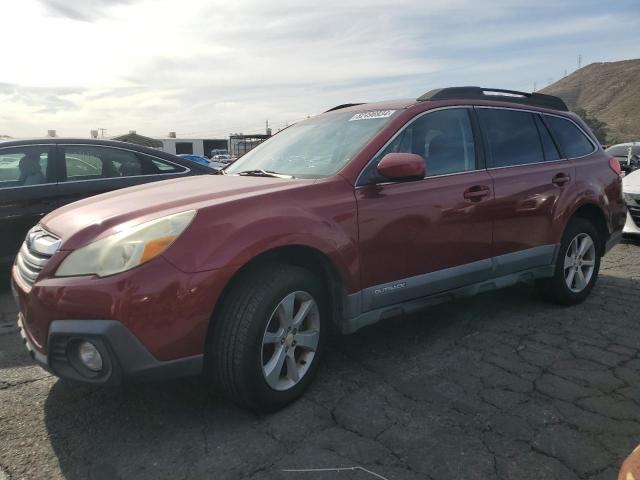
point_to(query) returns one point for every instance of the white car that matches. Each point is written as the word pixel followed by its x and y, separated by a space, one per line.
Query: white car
pixel 631 189
pixel 627 154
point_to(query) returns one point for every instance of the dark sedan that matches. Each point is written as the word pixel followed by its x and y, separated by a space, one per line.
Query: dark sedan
pixel 38 176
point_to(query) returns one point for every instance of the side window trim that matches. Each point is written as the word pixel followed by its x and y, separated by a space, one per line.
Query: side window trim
pixel 401 131
pixel 540 135
pixel 58 163
pixel 478 139
pixel 562 153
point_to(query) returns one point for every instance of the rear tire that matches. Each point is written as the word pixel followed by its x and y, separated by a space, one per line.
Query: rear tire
pixel 258 356
pixel 577 264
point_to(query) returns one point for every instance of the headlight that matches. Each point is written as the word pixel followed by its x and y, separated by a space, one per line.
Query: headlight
pixel 126 249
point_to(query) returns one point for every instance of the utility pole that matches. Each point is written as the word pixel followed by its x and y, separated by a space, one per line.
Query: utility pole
pixel 534 86
pixel 102 130
pixel 579 61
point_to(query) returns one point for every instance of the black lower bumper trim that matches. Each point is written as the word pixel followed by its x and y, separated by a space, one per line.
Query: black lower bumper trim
pixel 125 358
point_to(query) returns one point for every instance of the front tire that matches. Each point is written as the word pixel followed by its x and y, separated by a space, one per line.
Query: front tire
pixel 577 264
pixel 269 336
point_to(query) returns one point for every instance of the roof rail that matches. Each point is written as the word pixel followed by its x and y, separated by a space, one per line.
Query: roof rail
pixel 495 94
pixel 344 105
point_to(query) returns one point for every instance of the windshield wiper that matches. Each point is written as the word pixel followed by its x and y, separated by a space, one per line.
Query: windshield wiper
pixel 264 173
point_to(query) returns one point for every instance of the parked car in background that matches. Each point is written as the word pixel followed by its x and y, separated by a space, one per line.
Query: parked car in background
pixel 631 188
pixel 222 156
pixel 40 175
pixel 216 165
pixel 362 213
pixel 195 158
pixel 627 154
pixel 219 151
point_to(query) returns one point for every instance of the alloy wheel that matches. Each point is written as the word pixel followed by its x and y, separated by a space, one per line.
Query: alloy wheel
pixel 290 340
pixel 579 262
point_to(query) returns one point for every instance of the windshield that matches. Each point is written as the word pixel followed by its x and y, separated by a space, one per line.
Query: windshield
pixel 317 147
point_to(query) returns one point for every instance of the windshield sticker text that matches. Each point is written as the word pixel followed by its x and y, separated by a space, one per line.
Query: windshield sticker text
pixel 372 114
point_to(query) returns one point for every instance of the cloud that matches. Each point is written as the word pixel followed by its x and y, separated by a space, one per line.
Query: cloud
pixel 41 100
pixel 212 67
pixel 84 10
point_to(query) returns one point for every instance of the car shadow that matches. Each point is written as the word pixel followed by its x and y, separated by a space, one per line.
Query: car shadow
pixel 151 430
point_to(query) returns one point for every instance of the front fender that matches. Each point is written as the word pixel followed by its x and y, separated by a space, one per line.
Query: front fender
pixel 321 216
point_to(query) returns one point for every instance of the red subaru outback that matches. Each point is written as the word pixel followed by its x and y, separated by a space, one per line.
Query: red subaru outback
pixel 361 213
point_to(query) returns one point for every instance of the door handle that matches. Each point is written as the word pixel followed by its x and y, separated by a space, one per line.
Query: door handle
pixel 476 193
pixel 561 179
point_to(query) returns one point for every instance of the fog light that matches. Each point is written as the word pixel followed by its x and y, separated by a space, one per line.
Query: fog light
pixel 90 356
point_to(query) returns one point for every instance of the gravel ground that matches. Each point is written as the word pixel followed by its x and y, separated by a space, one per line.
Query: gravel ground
pixel 499 386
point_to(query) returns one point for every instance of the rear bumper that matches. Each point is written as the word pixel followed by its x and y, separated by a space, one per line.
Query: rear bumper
pixel 124 357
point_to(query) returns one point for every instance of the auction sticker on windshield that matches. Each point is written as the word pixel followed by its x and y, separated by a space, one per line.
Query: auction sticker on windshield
pixel 372 114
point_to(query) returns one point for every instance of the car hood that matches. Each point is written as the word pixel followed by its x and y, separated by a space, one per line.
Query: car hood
pixel 631 182
pixel 95 217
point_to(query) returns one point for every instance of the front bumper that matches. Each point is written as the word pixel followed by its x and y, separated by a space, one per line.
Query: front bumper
pixel 630 227
pixel 149 323
pixel 124 357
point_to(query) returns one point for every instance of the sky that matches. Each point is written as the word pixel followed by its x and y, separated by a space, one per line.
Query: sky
pixel 205 68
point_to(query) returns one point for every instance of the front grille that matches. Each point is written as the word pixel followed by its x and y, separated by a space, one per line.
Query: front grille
pixel 58 350
pixel 35 253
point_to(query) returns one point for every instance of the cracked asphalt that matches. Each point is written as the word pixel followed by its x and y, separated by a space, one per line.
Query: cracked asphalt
pixel 499 386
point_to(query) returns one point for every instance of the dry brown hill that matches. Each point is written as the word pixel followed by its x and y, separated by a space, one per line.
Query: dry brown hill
pixel 609 91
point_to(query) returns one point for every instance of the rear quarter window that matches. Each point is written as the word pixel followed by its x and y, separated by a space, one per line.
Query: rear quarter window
pixel 166 167
pixel 573 142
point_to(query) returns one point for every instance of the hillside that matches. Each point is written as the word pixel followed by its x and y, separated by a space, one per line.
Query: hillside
pixel 608 91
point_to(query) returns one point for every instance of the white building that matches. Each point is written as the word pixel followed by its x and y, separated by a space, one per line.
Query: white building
pixel 195 146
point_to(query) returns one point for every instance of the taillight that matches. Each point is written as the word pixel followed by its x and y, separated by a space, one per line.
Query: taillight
pixel 615 166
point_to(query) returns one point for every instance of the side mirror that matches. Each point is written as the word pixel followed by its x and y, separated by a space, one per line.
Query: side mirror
pixel 402 166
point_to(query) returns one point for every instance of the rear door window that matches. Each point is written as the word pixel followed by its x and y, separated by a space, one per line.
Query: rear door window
pixel 512 137
pixel 166 167
pixel 25 166
pixel 92 162
pixel 572 141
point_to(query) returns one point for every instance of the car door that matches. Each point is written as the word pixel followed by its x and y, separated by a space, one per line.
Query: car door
pixel 426 236
pixel 92 169
pixel 28 191
pixel 530 179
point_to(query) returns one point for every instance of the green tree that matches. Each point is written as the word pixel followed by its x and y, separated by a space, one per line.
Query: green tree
pixel 598 127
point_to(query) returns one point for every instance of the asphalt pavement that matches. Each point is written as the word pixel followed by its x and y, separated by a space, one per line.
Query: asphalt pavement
pixel 502 385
